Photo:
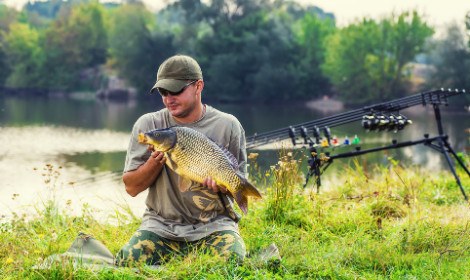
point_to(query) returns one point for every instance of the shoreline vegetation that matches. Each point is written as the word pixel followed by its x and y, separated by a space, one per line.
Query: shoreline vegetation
pixel 325 104
pixel 388 222
pixel 254 51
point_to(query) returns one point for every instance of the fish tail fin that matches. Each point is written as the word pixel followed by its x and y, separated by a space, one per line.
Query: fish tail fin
pixel 246 190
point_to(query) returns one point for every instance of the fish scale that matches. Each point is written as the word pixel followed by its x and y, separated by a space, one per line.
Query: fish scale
pixel 206 159
pixel 194 156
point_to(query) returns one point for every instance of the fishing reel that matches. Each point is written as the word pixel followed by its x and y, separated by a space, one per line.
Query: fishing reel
pixel 319 141
pixel 381 122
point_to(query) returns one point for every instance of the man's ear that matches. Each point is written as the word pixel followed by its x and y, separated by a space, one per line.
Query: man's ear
pixel 200 86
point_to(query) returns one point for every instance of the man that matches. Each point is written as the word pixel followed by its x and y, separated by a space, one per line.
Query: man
pixel 176 221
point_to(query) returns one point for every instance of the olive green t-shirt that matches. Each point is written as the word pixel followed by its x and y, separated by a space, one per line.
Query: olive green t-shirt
pixel 197 212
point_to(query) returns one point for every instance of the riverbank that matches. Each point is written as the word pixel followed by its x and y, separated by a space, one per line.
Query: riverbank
pixel 391 224
pixel 325 105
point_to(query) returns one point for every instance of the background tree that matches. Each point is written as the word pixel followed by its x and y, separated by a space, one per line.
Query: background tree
pixel 251 57
pixel 265 50
pixel 311 32
pixel 450 60
pixel 136 52
pixel 4 67
pixel 245 49
pixel 187 22
pixel 25 56
pixel 76 41
pixel 366 61
pixel 467 25
pixel 7 17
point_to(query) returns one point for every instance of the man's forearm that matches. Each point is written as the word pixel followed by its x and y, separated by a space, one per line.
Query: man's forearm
pixel 138 180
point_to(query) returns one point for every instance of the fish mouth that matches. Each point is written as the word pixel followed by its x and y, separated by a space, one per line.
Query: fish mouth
pixel 161 139
pixel 141 138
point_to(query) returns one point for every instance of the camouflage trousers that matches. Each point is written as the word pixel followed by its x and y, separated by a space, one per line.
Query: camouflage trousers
pixel 150 248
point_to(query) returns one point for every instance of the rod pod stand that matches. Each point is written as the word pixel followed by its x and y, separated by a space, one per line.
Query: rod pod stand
pixel 442 145
pixel 445 148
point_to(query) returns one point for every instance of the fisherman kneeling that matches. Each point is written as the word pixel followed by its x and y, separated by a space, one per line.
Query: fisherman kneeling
pixel 182 214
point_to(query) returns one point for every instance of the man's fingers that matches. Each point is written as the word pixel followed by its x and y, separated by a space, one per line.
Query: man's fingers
pixel 212 185
pixel 209 183
pixel 159 157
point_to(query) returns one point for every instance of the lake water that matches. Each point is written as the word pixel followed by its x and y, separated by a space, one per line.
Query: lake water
pixel 74 149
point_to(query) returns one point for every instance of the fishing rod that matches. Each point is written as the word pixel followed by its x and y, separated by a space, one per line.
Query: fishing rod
pixel 316 127
pixel 377 117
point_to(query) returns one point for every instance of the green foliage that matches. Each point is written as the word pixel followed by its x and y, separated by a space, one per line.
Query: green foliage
pixel 367 60
pixel 54 57
pixel 76 41
pixel 284 188
pixel 4 67
pixel 22 44
pixel 135 50
pixel 7 16
pixel 450 59
pixel 251 56
pixel 48 9
pixel 467 25
pixel 259 50
pixel 311 33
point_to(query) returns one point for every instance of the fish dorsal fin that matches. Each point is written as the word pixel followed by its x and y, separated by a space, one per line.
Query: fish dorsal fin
pixel 231 158
pixel 233 161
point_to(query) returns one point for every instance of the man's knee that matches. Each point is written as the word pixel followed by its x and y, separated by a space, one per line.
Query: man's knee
pixel 228 244
pixel 141 248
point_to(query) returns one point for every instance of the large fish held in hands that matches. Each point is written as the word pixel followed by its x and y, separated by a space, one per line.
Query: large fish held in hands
pixel 194 156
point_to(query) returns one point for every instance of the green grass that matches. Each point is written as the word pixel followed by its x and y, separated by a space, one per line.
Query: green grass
pixel 384 223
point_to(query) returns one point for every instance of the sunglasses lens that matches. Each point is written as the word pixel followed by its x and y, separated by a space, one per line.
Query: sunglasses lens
pixel 165 93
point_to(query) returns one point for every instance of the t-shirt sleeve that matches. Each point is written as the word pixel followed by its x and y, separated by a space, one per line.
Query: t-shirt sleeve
pixel 238 146
pixel 137 153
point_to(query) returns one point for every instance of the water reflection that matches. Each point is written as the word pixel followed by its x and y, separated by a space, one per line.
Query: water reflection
pixel 98 162
pixel 93 114
pixel 27 182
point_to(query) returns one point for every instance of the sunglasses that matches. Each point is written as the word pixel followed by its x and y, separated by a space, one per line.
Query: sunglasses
pixel 165 93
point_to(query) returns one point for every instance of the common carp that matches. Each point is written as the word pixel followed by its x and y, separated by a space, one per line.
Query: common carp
pixel 194 156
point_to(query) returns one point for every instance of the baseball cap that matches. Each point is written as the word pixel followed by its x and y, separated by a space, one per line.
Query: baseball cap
pixel 174 73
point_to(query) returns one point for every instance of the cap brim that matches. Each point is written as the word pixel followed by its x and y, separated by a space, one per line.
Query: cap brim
pixel 169 84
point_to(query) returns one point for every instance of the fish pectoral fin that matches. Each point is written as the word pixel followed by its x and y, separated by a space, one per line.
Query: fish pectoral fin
pixel 170 162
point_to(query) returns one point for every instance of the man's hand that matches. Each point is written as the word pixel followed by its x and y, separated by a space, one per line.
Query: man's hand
pixel 158 157
pixel 140 179
pixel 212 185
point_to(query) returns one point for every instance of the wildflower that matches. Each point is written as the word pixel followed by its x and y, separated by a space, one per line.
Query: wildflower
pixel 253 156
